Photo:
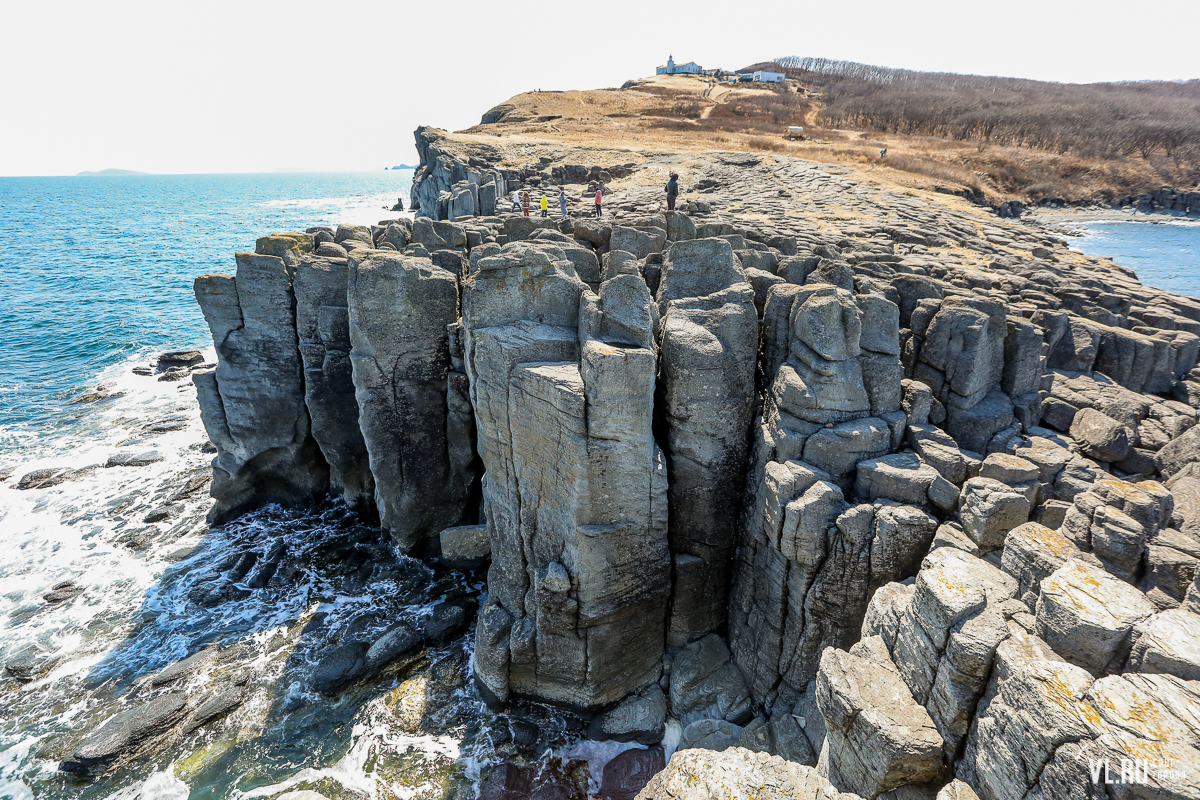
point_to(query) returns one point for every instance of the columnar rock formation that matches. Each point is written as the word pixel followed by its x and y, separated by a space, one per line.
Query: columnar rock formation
pixel 414 416
pixel 253 404
pixel 905 494
pixel 709 340
pixel 323 330
pixel 575 496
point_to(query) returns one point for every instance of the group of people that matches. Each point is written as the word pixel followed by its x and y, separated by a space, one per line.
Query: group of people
pixel 521 202
pixel 521 199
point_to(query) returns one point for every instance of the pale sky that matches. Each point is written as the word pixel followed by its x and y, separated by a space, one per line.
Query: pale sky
pixel 248 86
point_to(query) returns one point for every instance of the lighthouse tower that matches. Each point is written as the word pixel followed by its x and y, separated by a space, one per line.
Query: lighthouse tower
pixel 670 65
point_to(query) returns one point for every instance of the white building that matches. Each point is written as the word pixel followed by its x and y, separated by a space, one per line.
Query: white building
pixel 768 77
pixel 690 68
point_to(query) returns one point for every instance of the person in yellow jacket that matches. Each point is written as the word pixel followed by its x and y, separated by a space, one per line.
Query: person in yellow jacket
pixel 545 206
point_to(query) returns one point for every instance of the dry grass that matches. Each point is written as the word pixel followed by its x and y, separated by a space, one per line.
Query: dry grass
pixel 690 113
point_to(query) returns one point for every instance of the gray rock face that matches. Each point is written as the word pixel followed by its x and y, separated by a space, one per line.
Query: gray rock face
pixel 705 775
pixel 126 733
pixel 709 340
pixel 942 633
pixel 807 560
pixel 1088 616
pixel 413 419
pixel 252 404
pixel 877 737
pixel 580 565
pixel 641 718
pixel 1049 729
pixel 322 327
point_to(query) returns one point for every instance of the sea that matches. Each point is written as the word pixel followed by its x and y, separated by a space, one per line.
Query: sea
pixel 1164 251
pixel 95 280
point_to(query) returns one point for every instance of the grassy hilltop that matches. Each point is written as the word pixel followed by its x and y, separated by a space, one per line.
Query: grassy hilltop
pixel 997 139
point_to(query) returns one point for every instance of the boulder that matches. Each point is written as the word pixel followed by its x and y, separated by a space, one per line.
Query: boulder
pixel 737 774
pixel 1088 616
pixel 629 772
pixel 990 510
pixel 877 736
pixel 1167 642
pixel 707 684
pixel 465 547
pixel 127 733
pixel 1099 436
pixel 638 718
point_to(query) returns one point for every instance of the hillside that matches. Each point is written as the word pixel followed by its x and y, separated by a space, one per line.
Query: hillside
pixel 990 139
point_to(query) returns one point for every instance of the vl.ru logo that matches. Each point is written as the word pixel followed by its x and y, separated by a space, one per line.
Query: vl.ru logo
pixel 1130 771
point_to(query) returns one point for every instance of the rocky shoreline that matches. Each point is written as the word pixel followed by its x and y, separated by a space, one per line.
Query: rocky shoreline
pixel 810 489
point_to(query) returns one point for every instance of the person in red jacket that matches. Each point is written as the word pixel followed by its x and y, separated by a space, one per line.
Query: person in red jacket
pixel 599 193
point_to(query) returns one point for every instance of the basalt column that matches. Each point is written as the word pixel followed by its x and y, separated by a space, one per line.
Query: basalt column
pixel 575 489
pixel 708 343
pixel 399 310
pixel 323 328
pixel 252 404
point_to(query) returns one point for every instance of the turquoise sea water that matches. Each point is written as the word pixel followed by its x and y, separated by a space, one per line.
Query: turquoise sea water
pixel 1164 252
pixel 97 270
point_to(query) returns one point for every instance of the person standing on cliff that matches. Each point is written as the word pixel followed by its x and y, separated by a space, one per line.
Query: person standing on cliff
pixel 562 202
pixel 545 206
pixel 525 202
pixel 599 194
pixel 516 200
pixel 672 191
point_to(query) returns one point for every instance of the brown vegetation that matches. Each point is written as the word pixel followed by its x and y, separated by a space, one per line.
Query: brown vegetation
pixel 994 139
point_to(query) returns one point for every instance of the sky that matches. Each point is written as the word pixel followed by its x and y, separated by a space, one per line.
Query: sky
pixel 255 86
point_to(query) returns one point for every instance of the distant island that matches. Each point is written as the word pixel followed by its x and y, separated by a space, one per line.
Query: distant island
pixel 403 166
pixel 86 174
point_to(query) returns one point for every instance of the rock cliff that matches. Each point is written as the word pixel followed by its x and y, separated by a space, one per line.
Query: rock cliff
pixel 846 475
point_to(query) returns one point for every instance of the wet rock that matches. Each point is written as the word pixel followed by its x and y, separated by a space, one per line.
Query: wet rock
pixel 61 592
pixel 175 374
pixel 447 621
pixel 180 358
pixel 134 459
pixel 215 707
pixel 123 735
pixel 160 514
pixel 181 670
pixel 466 547
pixel 638 718
pixel 30 665
pixel 39 478
pixel 344 665
pixel 629 772
pixel 401 641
